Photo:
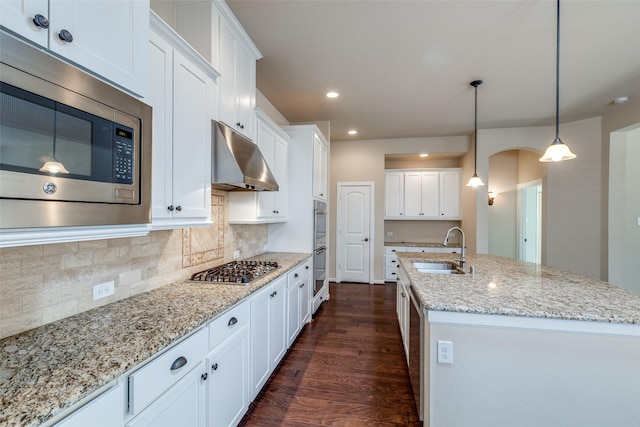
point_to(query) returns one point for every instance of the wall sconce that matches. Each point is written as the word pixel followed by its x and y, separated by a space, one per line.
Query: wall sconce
pixel 492 196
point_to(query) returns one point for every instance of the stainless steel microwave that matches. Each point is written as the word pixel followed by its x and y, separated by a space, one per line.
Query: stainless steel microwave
pixel 74 150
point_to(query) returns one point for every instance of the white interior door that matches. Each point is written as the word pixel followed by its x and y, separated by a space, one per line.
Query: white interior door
pixel 354 232
pixel 530 223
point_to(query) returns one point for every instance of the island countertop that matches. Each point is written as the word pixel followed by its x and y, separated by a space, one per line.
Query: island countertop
pixel 503 286
pixel 48 369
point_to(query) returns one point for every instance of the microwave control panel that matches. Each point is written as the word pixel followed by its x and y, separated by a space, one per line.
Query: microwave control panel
pixel 123 156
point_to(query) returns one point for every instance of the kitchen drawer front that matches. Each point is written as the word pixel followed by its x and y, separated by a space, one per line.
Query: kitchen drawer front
pixel 223 326
pixel 391 274
pixel 451 250
pixel 157 376
pixel 299 271
pixel 390 250
pixel 425 249
pixel 390 261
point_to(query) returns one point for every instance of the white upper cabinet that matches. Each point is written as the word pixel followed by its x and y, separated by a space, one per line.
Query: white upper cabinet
pixel 107 38
pixel 428 194
pixel 215 32
pixel 320 167
pixel 183 94
pixel 249 207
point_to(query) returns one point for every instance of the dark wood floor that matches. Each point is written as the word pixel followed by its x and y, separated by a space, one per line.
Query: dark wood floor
pixel 347 367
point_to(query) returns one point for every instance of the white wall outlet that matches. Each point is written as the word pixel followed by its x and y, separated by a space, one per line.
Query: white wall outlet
pixel 389 233
pixel 445 352
pixel 236 254
pixel 639 220
pixel 104 290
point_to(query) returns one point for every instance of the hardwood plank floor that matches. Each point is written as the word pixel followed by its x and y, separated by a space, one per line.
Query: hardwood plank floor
pixel 347 367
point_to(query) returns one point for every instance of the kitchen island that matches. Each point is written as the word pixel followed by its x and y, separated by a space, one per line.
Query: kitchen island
pixel 47 370
pixel 529 345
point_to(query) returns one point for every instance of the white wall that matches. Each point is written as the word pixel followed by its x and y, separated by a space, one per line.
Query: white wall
pixel 624 208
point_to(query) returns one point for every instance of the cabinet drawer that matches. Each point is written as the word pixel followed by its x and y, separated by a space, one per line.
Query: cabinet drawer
pixel 425 249
pixel 157 376
pixel 299 271
pixel 390 250
pixel 391 274
pixel 451 250
pixel 223 326
pixel 390 261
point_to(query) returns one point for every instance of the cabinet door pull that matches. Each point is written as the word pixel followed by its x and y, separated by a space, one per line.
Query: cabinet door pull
pixel 296 275
pixel 204 376
pixel 179 208
pixel 178 363
pixel 214 367
pixel 232 321
pixel 41 21
pixel 65 36
pixel 170 207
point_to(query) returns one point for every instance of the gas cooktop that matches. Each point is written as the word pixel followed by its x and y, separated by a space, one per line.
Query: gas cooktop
pixel 236 272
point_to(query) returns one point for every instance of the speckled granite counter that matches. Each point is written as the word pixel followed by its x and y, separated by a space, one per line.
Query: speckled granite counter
pixel 508 287
pixel 50 368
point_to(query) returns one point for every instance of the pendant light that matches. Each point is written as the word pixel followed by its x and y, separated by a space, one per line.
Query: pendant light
pixel 53 165
pixel 558 150
pixel 475 180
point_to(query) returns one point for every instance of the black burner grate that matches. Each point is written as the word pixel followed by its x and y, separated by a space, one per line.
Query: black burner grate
pixel 236 272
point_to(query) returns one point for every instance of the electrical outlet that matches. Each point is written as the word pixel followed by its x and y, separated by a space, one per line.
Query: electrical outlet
pixel 389 233
pixel 104 290
pixel 639 220
pixel 236 254
pixel 445 352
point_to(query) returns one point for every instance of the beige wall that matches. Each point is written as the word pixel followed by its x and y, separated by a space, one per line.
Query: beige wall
pixel 43 283
pixel 502 215
pixel 364 161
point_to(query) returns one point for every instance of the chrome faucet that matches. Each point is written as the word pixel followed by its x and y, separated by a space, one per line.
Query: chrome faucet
pixel 463 249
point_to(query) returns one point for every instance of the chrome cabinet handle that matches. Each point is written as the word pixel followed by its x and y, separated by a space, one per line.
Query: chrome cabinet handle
pixel 214 366
pixel 204 376
pixel 170 207
pixel 232 321
pixel 41 21
pixel 65 36
pixel 179 208
pixel 178 363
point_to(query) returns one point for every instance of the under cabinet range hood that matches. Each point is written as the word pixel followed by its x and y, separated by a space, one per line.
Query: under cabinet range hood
pixel 238 163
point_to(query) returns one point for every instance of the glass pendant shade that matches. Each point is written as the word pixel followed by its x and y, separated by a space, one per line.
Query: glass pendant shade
pixel 53 166
pixel 475 181
pixel 557 152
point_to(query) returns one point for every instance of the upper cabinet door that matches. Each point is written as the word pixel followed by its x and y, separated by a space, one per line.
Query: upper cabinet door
pixel 394 195
pixel 18 16
pixel 320 167
pixel 108 37
pixel 450 195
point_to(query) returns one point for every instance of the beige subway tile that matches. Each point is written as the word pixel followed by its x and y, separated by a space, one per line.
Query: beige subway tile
pixel 118 267
pixel 129 277
pixel 21 252
pixel 119 243
pixel 20 323
pixel 106 255
pixel 9 269
pixel 41 265
pixel 93 274
pixel 10 288
pixel 59 311
pixel 150 249
pixel 10 306
pixel 40 298
pixel 89 245
pixel 60 248
pixel 78 259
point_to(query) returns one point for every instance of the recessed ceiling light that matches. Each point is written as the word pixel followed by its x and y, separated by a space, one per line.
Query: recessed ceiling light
pixel 332 94
pixel 424 155
pixel 353 132
pixel 621 100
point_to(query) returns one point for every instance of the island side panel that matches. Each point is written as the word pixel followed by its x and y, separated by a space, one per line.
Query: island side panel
pixel 514 376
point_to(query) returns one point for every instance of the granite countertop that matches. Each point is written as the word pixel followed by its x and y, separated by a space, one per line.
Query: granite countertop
pixel 48 369
pixel 509 287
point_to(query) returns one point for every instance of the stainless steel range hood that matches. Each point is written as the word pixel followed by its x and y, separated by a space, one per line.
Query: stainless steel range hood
pixel 238 163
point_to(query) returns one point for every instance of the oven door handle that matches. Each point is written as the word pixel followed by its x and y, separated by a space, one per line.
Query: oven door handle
pixel 320 250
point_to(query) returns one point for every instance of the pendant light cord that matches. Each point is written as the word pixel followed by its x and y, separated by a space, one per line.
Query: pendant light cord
pixel 558 71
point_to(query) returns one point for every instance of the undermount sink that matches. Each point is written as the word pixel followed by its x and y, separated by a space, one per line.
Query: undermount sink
pixel 436 267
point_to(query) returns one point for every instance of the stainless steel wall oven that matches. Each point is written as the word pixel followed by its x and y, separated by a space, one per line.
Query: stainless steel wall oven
pixel 320 244
pixel 73 149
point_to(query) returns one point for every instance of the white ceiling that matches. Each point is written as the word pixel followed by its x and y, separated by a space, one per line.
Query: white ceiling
pixel 403 68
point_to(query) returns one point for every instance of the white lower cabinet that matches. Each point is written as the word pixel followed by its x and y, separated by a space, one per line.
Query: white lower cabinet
pixel 403 302
pixel 106 410
pixel 299 293
pixel 228 367
pixel 268 333
pixel 184 404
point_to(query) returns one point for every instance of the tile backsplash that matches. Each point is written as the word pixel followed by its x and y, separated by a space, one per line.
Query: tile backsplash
pixel 43 283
